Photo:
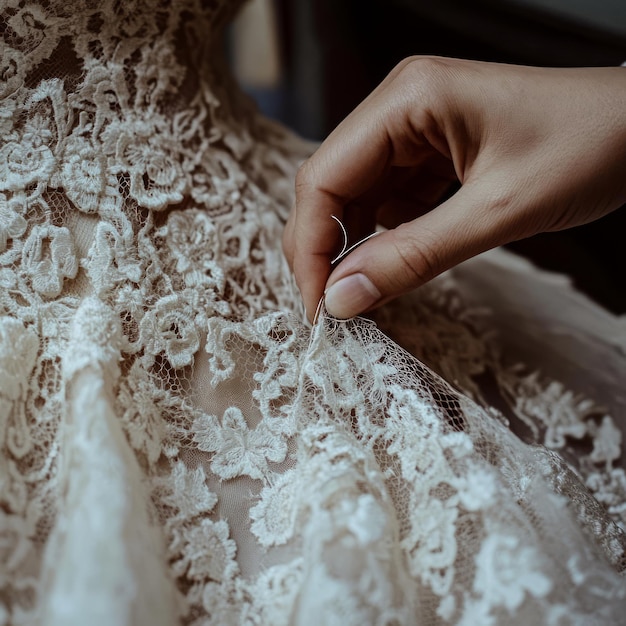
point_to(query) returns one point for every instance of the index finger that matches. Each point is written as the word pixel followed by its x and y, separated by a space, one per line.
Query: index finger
pixel 349 162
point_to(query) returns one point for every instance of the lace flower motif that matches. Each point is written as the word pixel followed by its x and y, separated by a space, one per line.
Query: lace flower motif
pixel 110 260
pixel 187 492
pixel 156 177
pixel 18 353
pixel 506 572
pixel 274 516
pixel 192 239
pixel 276 590
pixel 432 544
pixel 83 174
pixel 414 432
pixel 23 163
pixel 48 256
pixel 208 552
pixel 12 224
pixel 277 381
pixel 158 74
pixel 239 450
pixel 218 181
pixel 477 488
pixel 169 328
pixel 34 27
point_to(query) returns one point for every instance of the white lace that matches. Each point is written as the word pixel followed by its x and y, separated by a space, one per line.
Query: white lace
pixel 178 448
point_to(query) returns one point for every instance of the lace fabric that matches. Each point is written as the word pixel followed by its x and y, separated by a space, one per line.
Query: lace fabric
pixel 177 447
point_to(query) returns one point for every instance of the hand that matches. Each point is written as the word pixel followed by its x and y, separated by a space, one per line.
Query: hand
pixel 534 149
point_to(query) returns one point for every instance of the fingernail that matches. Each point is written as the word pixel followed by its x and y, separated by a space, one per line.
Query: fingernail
pixel 351 295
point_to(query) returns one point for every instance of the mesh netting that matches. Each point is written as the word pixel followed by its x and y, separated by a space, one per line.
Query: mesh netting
pixel 177 447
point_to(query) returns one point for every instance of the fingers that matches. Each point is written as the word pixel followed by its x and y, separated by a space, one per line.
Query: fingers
pixel 513 136
pixel 399 260
pixel 350 167
pixel 354 156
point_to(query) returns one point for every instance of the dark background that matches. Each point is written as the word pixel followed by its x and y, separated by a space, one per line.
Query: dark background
pixel 334 52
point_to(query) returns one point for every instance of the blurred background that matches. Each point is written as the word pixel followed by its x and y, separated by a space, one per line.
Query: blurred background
pixel 308 63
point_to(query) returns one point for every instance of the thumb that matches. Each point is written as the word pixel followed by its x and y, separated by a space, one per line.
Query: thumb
pixel 404 258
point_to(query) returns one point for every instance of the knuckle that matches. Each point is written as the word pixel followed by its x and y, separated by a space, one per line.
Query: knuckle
pixel 425 85
pixel 426 73
pixel 418 257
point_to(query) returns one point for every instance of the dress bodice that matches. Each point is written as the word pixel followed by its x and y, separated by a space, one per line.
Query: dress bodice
pixel 176 446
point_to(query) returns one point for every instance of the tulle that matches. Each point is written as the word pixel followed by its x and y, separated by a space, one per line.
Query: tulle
pixel 178 447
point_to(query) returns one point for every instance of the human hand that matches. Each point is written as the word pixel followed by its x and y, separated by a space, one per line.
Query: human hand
pixel 534 149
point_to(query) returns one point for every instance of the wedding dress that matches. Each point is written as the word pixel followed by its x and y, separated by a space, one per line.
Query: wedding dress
pixel 179 448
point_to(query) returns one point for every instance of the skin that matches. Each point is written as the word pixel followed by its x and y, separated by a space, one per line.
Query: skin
pixel 534 150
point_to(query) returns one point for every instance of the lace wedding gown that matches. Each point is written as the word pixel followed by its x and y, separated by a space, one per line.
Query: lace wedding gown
pixel 178 448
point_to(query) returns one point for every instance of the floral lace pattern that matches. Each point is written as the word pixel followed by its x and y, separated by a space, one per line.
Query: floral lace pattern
pixel 177 447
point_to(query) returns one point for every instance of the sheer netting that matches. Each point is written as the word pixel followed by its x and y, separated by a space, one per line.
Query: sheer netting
pixel 177 447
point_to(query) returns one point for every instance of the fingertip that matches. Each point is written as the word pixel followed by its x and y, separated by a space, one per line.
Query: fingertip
pixel 311 273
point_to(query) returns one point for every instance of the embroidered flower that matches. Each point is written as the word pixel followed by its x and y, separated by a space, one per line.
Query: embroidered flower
pixel 83 175
pixel 274 516
pixel 238 450
pixel 23 163
pixel 110 259
pixel 431 542
pixel 414 430
pixel 36 30
pixel 476 488
pixel 37 128
pixel 18 351
pixel 277 383
pixel 235 238
pixel 156 177
pixel 506 572
pixel 187 492
pixel 12 224
pixel 218 182
pixel 158 73
pixel 169 328
pixel 104 89
pixel 276 590
pixel 562 413
pixel 48 256
pixel 191 237
pixel 27 159
pixel 208 552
